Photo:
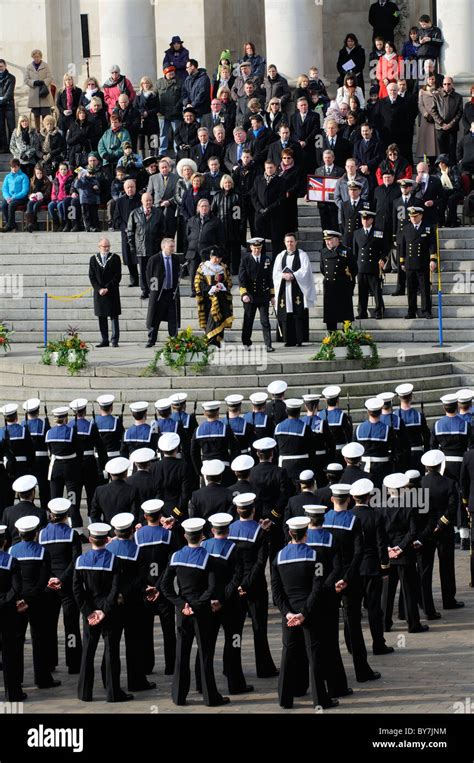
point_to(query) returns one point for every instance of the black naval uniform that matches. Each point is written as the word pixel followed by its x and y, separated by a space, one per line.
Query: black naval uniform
pixel 243 431
pixel 467 492
pixel 351 220
pixel 339 270
pixel 144 482
pixel 252 546
pixel 22 447
pixel 276 410
pixel 37 428
pixel 415 256
pixel 379 444
pixel 295 588
pixel 368 250
pixel 208 500
pixel 295 443
pixel 64 468
pixel 111 431
pixel 273 489
pixel 400 221
pixel 64 546
pixel 90 444
pixel 323 448
pixel 188 423
pixel 295 505
pixel 401 450
pixel 7 465
pixel 214 440
pixel 115 497
pixel 340 427
pixel 139 436
pixel 96 587
pixel 156 546
pixel 351 474
pixel 194 570
pixel 10 592
pixel 256 282
pixel 21 509
pixel 417 433
pixel 173 479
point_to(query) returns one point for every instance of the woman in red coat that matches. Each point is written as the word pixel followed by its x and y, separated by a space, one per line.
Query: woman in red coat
pixel 389 68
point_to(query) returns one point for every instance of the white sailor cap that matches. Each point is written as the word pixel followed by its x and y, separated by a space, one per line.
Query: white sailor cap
pixel 60 412
pixel 465 395
pixel 99 529
pixel 139 406
pixel 59 505
pixel 117 465
pixel 277 387
pixel 258 398
pixel 298 523
pixel 387 397
pixel 374 404
pixel 27 524
pixel 293 402
pixel 395 481
pixel 415 210
pixel 265 443
pixel 234 399
pixel 31 405
pixel 404 389
pixel 178 397
pixel 212 468
pixel 331 392
pixel 312 398
pixel 211 405
pixel 256 241
pixel 448 399
pixel 242 463
pixel 354 184
pixel 314 509
pixel 432 458
pixel 78 404
pixel 105 400
pixel 163 404
pixel 412 474
pixel 306 475
pixel 193 525
pixel 122 521
pixel 353 450
pixel 169 441
pixel 3 529
pixel 244 499
pixel 24 484
pixel 8 409
pixel 152 506
pixel 221 519
pixel 362 487
pixel 142 455
pixel 331 233
pixel 334 467
pixel 367 213
pixel 340 489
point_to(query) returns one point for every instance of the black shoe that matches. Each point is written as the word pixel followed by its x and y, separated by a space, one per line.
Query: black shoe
pixel 114 344
pixel 434 616
pixel 270 349
pixel 147 686
pixel 73 671
pixel 102 344
pixel 132 285
pixel 419 629
pixel 74 229
pixel 150 343
pixel 398 293
pixel 383 650
pixel 465 544
pixel 219 702
pixel 52 685
pixel 66 228
pixel 361 316
pixel 144 295
pixel 371 677
pixel 346 693
pixel 331 703
pixel 426 315
pixel 410 316
pixel 455 605
pixel 123 697
pixel 273 674
pixel 30 228
pixel 377 316
pixel 168 671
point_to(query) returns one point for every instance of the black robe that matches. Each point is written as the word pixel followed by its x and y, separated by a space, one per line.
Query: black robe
pixel 158 308
pixel 339 270
pixel 107 277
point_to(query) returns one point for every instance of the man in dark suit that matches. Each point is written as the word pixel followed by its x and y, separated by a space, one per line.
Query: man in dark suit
pixel 328 209
pixel 202 230
pixel 267 195
pixel 447 111
pixel 368 153
pixel 217 116
pixel 233 152
pixel 388 116
pixel 285 141
pixel 124 205
pixel 417 260
pixel 105 274
pixel 341 148
pixel 204 150
pixel 256 291
pixel 409 114
pixel 162 187
pixel 163 271
pixel 367 248
pixel 399 220
pixel 429 189
pixel 350 217
pixel 383 18
pixel 305 125
pixel 260 139
pixel 384 197
pixel 145 229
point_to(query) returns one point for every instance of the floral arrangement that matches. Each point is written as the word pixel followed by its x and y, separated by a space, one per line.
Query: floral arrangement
pixel 5 334
pixel 70 351
pixel 183 349
pixel 353 340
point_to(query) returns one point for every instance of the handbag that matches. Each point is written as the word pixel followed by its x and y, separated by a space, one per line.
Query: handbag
pixel 43 90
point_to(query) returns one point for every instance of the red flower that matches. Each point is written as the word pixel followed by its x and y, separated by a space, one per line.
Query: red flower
pixel 176 347
pixel 2 340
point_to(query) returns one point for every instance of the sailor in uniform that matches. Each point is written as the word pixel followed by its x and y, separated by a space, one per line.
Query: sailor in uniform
pixel 295 588
pixel 273 488
pixel 306 495
pixel 465 397
pixel 164 421
pixel 263 423
pixel 352 454
pixel 10 593
pixel 368 250
pixel 294 440
pixel 35 566
pixel 375 562
pixel 242 466
pixel 109 425
pixel 214 440
pixel 378 441
pixel 172 477
pixel 339 269
pixel 142 478
pixel 37 428
pixel 242 429
pixel 64 548
pixel 130 609
pixel 63 444
pixel 416 428
pixel 156 544
pixel 333 474
pixel 347 532
pixel 401 452
pixel 18 440
pixel 276 407
pixel 117 496
pixel 96 589
pixel 323 450
pixel 140 434
pixel 228 568
pixel 92 448
pixel 417 260
pixel 196 601
pixel 25 488
pixel 214 497
pixel 252 547
pixel 189 424
pixel 339 422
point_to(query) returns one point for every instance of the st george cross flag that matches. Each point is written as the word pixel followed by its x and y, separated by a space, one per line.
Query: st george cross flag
pixel 321 188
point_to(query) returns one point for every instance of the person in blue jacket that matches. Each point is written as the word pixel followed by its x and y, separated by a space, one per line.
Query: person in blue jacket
pixel 178 56
pixel 196 90
pixel 15 192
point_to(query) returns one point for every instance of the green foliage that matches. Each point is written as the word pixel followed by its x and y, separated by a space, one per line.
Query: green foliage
pixel 353 340
pixel 70 351
pixel 184 349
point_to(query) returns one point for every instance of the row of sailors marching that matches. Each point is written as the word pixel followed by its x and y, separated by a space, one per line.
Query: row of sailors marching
pixel 215 576
pixel 72 454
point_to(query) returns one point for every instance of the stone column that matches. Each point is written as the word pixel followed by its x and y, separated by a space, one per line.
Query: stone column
pixel 127 38
pixel 456 20
pixel 294 35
